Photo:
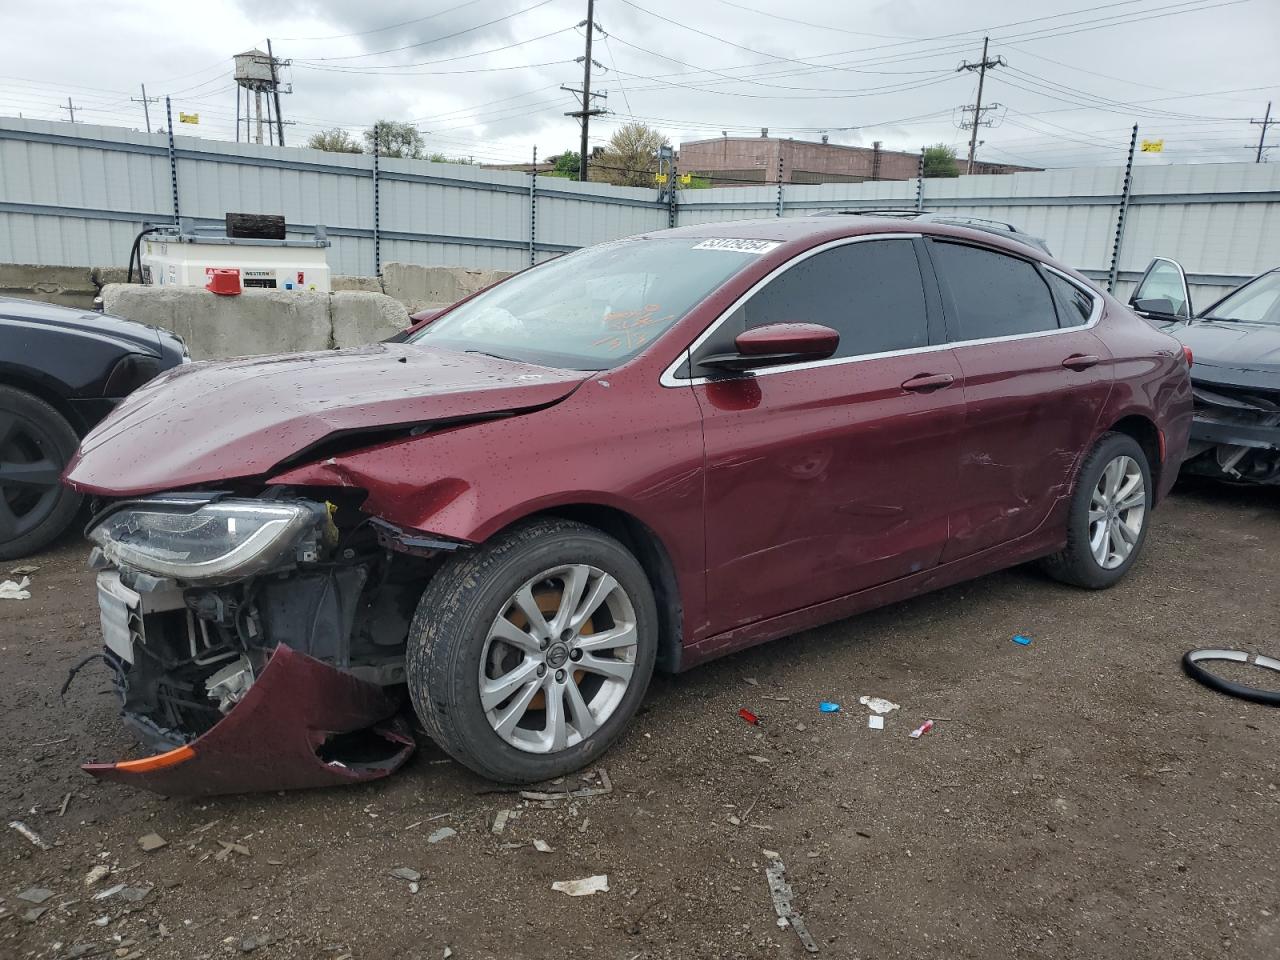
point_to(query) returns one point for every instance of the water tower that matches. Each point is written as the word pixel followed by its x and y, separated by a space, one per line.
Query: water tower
pixel 255 74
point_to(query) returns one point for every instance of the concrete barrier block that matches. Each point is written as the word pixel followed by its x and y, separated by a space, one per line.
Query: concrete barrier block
pixel 361 317
pixel 415 285
pixel 66 286
pixel 255 322
pixel 367 284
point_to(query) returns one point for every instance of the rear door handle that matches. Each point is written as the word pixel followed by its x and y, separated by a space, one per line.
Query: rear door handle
pixel 929 381
pixel 1080 361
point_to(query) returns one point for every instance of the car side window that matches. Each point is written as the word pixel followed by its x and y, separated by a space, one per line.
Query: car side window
pixel 1075 307
pixel 870 292
pixel 990 294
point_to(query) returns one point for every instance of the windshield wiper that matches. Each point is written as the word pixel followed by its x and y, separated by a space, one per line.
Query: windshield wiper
pixel 486 353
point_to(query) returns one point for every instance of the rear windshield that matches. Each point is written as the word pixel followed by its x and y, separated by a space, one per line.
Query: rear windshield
pixel 593 309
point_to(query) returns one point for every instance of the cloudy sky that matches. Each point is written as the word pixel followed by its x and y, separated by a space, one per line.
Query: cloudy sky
pixel 481 78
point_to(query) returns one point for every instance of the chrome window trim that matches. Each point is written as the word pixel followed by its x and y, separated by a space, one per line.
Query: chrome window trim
pixel 669 378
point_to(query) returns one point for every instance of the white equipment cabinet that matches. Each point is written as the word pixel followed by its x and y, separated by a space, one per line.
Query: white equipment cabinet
pixel 186 257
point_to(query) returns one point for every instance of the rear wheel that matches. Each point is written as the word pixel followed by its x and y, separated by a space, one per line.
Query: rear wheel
pixel 528 656
pixel 36 443
pixel 1107 523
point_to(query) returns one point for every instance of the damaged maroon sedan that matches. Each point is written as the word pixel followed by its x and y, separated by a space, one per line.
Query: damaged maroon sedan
pixel 642 455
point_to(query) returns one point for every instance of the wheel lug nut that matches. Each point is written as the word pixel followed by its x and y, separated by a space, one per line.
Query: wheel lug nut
pixel 543 644
pixel 566 635
pixel 575 655
pixel 542 670
pixel 560 676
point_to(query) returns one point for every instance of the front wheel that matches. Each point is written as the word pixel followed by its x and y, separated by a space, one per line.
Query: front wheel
pixel 527 656
pixel 1107 522
pixel 36 443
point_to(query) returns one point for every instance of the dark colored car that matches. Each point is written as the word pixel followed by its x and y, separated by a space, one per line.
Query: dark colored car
pixel 61 371
pixel 650 452
pixel 1236 375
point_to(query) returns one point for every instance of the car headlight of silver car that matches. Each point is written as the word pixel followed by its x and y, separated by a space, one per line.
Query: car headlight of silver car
pixel 213 542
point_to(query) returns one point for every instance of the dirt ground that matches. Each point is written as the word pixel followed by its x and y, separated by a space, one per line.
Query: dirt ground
pixel 1082 799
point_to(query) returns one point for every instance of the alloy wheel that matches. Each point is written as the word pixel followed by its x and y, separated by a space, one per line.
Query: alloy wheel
pixel 558 658
pixel 1117 511
pixel 29 476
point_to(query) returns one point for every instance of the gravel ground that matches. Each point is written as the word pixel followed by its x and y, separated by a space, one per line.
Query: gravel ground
pixel 1082 798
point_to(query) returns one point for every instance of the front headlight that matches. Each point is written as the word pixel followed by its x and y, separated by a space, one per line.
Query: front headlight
pixel 217 542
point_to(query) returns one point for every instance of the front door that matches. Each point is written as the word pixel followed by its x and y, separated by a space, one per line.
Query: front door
pixel 830 477
pixel 1036 379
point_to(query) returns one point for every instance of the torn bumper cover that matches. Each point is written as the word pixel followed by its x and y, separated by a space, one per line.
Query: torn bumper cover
pixel 1235 433
pixel 302 723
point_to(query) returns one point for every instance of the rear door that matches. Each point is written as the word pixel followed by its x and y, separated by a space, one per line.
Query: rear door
pixel 1036 378
pixel 828 477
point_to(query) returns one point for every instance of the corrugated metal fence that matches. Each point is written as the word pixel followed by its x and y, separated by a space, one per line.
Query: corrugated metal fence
pixel 75 194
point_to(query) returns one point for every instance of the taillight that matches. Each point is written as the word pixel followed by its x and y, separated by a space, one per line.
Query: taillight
pixel 1186 352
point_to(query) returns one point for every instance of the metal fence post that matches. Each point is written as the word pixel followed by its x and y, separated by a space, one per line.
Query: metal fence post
pixel 377 239
pixel 1124 209
pixel 173 158
pixel 671 197
pixel 779 213
pixel 533 209
pixel 920 182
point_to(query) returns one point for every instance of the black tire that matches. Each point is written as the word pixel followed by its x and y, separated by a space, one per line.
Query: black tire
pixel 1076 564
pixel 450 626
pixel 31 431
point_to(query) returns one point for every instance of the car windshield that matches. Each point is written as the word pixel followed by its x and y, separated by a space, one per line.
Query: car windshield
pixel 596 308
pixel 1255 302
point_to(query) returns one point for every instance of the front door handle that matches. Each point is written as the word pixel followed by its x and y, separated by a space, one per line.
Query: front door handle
pixel 1080 361
pixel 926 382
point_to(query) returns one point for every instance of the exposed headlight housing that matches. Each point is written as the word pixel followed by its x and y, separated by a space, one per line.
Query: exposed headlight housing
pixel 210 543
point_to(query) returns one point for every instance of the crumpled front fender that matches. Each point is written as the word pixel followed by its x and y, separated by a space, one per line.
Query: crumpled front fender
pixel 291 730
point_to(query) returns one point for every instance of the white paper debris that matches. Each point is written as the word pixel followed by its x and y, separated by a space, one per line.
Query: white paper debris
pixel 9 590
pixel 584 887
pixel 878 704
pixel 875 722
pixel 542 846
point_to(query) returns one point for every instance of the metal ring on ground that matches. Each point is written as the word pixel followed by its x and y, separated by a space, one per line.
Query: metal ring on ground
pixel 1191 664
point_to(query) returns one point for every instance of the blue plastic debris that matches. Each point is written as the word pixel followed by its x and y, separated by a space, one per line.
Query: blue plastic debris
pixel 1022 641
pixel 826 706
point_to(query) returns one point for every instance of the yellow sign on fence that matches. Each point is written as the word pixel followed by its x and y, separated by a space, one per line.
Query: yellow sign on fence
pixel 1153 146
pixel 188 118
pixel 659 178
pixel 686 178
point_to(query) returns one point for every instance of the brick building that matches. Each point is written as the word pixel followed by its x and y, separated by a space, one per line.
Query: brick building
pixel 730 160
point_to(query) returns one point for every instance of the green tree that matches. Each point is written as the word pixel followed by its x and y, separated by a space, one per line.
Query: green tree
pixel 335 140
pixel 568 162
pixel 940 161
pixel 394 139
pixel 631 158
pixel 443 158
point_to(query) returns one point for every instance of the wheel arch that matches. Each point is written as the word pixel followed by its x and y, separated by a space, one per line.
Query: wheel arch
pixel 651 553
pixel 1143 430
pixel 42 390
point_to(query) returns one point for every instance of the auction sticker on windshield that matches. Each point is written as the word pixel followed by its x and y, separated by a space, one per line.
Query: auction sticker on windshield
pixel 739 245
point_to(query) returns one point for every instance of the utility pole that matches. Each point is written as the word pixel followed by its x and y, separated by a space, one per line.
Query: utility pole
pixel 71 109
pixel 146 101
pixel 1265 122
pixel 275 93
pixel 585 114
pixel 977 109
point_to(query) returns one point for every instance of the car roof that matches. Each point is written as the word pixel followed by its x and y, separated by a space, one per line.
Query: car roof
pixel 804 232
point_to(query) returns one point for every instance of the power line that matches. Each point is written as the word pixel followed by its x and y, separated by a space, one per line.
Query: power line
pixel 586 111
pixel 390 26
pixel 146 105
pixel 447 36
pixel 400 67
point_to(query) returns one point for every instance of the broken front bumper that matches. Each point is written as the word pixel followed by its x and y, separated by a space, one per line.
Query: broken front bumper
pixel 1235 434
pixel 301 724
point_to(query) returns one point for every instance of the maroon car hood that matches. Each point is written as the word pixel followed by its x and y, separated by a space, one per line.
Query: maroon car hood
pixel 211 422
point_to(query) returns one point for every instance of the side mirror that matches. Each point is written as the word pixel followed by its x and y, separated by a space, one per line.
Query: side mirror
pixel 417 321
pixel 777 343
pixel 1158 306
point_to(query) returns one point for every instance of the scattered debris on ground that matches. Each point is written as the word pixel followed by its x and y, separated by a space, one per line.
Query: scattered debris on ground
pixel 921 730
pixel 15 590
pixel 878 704
pixel 1021 641
pixel 584 887
pixel 30 834
pixel 775 873
pixel 152 841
